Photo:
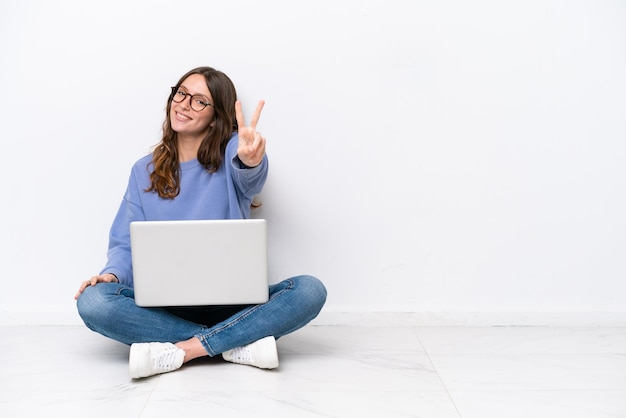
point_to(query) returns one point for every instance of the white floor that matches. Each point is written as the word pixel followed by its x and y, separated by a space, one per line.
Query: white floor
pixel 329 371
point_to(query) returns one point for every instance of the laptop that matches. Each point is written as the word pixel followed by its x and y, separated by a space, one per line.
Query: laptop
pixel 198 263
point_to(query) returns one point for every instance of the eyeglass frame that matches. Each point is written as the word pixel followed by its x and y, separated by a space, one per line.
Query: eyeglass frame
pixel 175 91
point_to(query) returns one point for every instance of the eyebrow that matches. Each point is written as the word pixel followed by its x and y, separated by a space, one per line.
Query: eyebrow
pixel 193 94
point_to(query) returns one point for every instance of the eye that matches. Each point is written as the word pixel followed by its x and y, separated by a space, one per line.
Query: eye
pixel 181 93
pixel 202 102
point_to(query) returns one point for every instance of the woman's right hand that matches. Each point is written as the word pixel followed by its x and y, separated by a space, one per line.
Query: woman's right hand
pixel 101 278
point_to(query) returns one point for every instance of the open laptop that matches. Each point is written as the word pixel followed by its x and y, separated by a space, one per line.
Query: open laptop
pixel 204 262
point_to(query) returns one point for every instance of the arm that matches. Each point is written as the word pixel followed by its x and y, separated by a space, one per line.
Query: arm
pixel 119 262
pixel 119 266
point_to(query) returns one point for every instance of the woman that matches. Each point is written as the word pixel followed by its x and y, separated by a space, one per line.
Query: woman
pixel 208 165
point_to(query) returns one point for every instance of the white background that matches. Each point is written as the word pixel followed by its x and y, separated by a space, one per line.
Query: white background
pixel 451 157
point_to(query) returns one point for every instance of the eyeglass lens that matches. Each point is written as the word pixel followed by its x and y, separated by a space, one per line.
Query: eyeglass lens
pixel 198 102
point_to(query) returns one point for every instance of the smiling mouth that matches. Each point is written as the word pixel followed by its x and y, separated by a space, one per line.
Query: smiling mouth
pixel 182 117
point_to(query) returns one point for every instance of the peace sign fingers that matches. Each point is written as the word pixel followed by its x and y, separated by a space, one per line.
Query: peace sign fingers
pixel 251 147
pixel 255 116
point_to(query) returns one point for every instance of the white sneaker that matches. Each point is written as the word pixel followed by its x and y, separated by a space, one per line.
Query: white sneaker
pixel 261 353
pixel 147 359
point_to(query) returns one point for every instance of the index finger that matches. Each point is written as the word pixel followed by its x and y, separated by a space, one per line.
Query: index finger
pixel 239 115
pixel 82 287
pixel 255 116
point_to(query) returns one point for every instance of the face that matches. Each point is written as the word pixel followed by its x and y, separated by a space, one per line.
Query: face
pixel 187 121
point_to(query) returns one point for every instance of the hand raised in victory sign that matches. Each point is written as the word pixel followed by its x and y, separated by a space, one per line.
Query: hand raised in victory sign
pixel 251 147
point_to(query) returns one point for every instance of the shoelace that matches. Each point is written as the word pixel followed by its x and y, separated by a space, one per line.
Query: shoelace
pixel 242 354
pixel 165 361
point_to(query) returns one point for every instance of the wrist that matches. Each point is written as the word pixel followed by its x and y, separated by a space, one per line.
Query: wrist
pixel 246 166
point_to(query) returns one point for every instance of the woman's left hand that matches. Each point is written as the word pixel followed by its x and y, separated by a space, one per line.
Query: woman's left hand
pixel 251 148
pixel 100 278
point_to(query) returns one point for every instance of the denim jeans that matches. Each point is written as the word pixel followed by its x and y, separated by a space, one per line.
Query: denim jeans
pixel 110 309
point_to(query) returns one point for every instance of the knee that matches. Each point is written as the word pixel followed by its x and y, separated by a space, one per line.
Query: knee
pixel 312 289
pixel 92 304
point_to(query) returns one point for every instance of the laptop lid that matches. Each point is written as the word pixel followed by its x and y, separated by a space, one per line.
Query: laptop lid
pixel 202 262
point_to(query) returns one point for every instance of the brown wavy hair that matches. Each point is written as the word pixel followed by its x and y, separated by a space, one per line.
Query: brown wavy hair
pixel 165 177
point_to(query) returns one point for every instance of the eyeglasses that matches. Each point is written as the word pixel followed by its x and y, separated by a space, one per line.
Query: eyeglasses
pixel 198 101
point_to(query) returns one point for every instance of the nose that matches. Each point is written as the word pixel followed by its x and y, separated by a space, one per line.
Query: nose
pixel 186 103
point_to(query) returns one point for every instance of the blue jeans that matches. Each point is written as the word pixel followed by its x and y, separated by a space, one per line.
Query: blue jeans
pixel 110 309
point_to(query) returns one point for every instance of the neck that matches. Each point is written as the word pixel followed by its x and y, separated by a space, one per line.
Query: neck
pixel 188 148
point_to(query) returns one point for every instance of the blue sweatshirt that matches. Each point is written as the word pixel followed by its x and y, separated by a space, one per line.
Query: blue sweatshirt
pixel 225 194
